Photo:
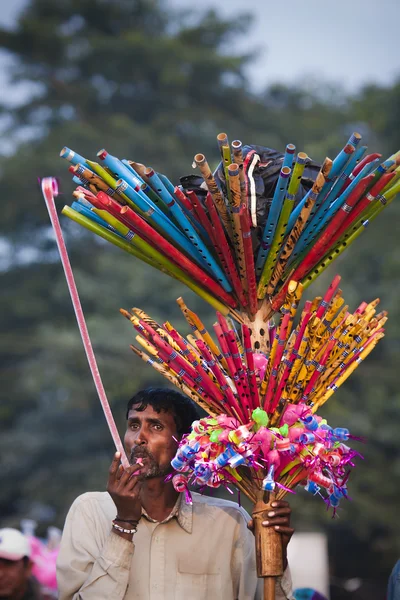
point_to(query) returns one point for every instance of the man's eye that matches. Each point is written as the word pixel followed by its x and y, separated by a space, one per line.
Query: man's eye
pixel 134 426
pixel 158 427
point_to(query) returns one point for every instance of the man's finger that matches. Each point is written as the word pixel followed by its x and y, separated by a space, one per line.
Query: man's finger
pixel 276 521
pixel 250 525
pixel 128 472
pixel 279 512
pixel 119 472
pixel 284 530
pixel 280 504
pixel 115 464
pixel 133 481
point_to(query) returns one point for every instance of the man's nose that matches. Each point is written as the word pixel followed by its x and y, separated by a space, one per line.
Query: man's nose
pixel 141 438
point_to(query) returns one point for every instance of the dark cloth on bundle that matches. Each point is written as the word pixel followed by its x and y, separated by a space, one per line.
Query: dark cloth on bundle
pixel 264 173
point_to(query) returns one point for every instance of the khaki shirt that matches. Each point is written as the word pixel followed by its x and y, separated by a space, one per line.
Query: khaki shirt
pixel 201 551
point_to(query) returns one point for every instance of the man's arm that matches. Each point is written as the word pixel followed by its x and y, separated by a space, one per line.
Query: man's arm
pixel 92 563
pixel 95 558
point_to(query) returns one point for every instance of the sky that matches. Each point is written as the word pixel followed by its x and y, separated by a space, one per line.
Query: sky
pixel 345 42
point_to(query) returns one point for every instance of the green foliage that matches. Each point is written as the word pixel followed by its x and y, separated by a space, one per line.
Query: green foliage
pixel 157 87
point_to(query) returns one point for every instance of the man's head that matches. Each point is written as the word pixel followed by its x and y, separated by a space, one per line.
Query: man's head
pixel 157 419
pixel 15 564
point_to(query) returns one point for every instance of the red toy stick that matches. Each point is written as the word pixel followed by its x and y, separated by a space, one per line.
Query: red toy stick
pixel 50 191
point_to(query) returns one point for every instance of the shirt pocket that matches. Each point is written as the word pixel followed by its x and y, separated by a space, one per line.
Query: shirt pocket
pixel 197 580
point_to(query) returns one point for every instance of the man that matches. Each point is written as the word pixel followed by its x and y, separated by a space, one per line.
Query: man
pixel 16 581
pixel 179 551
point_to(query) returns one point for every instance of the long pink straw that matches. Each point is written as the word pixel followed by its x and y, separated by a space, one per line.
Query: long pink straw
pixel 50 191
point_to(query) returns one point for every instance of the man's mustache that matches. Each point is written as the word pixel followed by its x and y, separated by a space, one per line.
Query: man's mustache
pixel 141 452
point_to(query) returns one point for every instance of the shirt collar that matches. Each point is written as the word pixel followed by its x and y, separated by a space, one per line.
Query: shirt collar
pixel 182 511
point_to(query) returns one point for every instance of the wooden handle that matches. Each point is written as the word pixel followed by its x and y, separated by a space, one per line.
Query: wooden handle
pixel 269 588
pixel 268 542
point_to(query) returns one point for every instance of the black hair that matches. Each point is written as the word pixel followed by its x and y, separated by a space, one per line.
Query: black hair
pixel 180 406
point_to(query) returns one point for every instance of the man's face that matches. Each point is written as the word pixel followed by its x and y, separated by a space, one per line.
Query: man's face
pixel 150 436
pixel 14 575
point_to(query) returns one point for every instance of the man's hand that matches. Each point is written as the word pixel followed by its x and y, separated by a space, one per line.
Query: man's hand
pixel 279 519
pixel 124 488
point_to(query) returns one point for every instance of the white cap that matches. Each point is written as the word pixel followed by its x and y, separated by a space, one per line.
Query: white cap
pixel 13 544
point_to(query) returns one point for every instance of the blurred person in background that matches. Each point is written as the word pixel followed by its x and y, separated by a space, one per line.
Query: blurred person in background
pixel 142 540
pixel 307 594
pixel 16 579
pixel 393 592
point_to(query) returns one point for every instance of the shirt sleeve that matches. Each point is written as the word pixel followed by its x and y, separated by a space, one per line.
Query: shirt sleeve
pixel 244 570
pixel 92 563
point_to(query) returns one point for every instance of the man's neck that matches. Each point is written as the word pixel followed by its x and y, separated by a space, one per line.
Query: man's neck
pixel 158 498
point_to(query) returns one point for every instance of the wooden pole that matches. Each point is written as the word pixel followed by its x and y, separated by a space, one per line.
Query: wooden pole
pixel 269 588
pixel 268 545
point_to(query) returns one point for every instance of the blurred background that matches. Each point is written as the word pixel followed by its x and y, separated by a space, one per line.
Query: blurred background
pixel 156 81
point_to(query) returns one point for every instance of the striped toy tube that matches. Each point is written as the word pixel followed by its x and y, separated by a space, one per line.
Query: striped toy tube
pixel 198 246
pixel 255 398
pixel 241 392
pixel 282 339
pixel 204 378
pixel 87 212
pixel 237 154
pixel 73 157
pixel 133 244
pixel 317 250
pixel 387 166
pixel 201 214
pixel 125 172
pixel 129 165
pixel 137 224
pixel 178 360
pixel 351 234
pixel 364 203
pixel 120 170
pixel 290 196
pixel 298 226
pixel 355 159
pixel 330 292
pixel 160 367
pixel 289 156
pixel 339 166
pixel 237 237
pixel 235 353
pixel 81 171
pixel 326 213
pixel 180 372
pixel 158 219
pixel 318 370
pixel 273 217
pixel 212 187
pixel 189 212
pixel 201 332
pixel 358 168
pixel 281 384
pixel 320 401
pixel 339 163
pixel 249 259
pixel 220 237
pixel 187 206
pixel 215 368
pixel 226 158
